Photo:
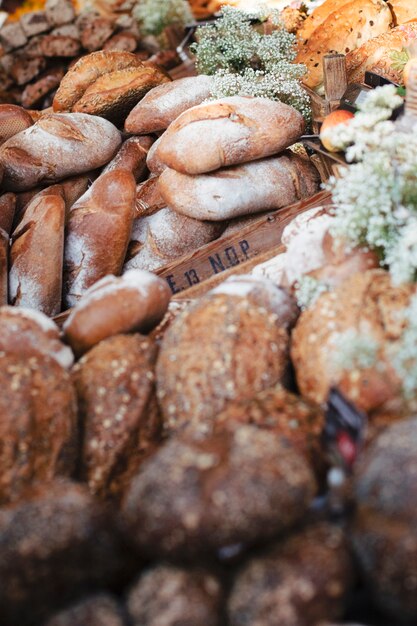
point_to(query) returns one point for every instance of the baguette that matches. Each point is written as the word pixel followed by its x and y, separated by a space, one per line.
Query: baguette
pixel 163 104
pixel 242 190
pixel 98 233
pixel 57 146
pixel 132 157
pixel 228 132
pixel 36 255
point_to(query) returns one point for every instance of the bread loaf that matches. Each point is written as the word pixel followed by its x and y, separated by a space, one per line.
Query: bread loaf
pixel 98 232
pixel 155 165
pixel 13 119
pixel 57 146
pixel 318 16
pixel 4 266
pixel 404 11
pixel 36 254
pixel 145 299
pixel 164 236
pixel 163 104
pixel 228 132
pixel 7 211
pixel 242 190
pixel 132 157
pixel 148 197
pixel 101 609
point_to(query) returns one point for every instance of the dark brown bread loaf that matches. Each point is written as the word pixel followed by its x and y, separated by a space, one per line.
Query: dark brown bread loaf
pixel 35 92
pixel 297 582
pixel 115 386
pixel 98 233
pixel 38 426
pixel 132 157
pixel 98 610
pixel 13 119
pixel 167 596
pixel 37 253
pixel 148 197
pixel 241 329
pixel 56 544
pixel 198 495
pixel 56 147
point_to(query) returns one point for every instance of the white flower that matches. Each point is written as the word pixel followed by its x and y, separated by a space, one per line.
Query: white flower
pixel 354 350
pixel 308 290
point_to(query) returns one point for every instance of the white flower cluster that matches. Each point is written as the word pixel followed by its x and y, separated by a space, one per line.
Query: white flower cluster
pixel 308 290
pixel 405 358
pixel 354 350
pixel 154 15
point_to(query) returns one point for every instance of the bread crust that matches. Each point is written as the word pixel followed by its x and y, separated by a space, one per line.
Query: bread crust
pixel 132 157
pixel 13 119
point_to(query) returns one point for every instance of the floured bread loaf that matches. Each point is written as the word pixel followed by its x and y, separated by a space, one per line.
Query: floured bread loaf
pixel 228 132
pixel 241 190
pixel 155 165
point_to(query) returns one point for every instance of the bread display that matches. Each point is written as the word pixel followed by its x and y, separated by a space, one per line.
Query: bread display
pixel 228 132
pixel 99 315
pixel 98 232
pixel 241 190
pixel 101 609
pixel 56 147
pixel 195 496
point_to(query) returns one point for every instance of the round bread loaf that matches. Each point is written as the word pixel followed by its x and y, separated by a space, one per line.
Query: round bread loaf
pixel 163 104
pixel 13 119
pixel 241 329
pixel 38 426
pixel 384 529
pixel 228 132
pixel 167 596
pixel 115 387
pixel 99 610
pixel 57 146
pixel 366 310
pixel 26 333
pixel 198 495
pixel 137 301
pixel 298 582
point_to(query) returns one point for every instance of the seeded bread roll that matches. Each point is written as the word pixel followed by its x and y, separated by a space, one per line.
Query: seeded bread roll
pixel 38 427
pixel 115 385
pixel 196 496
pixel 132 157
pixel 36 254
pixel 228 132
pixel 297 582
pixel 167 595
pixel 26 333
pixel 318 16
pixel 242 190
pixel 226 324
pixel 13 119
pixel 163 104
pixel 98 233
pixel 98 610
pixel 56 147
pixel 145 299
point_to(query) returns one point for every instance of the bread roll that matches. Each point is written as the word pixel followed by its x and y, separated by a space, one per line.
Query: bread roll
pixel 242 190
pixel 36 254
pixel 57 146
pixel 86 71
pixel 155 165
pixel 342 31
pixel 163 104
pixel 99 315
pixel 132 157
pixel 13 119
pixel 98 233
pixel 101 609
pixel 165 236
pixel 228 132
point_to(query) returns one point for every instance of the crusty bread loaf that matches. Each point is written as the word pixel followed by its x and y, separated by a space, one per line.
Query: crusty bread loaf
pixel 155 165
pixel 86 71
pixel 98 232
pixel 318 16
pixel 99 315
pixel 378 54
pixel 242 190
pixel 36 255
pixel 7 211
pixel 164 236
pixel 57 146
pixel 148 197
pixel 228 132
pixel 74 187
pixel 404 11
pixel 132 157
pixel 13 119
pixel 342 31
pixel 163 104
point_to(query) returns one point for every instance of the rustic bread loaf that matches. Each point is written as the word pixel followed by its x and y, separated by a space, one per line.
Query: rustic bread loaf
pixel 344 30
pixel 57 146
pixel 195 496
pixel 155 165
pixel 225 324
pixel 145 299
pixel 86 71
pixel 317 17
pixel 164 236
pixel 404 11
pixel 115 385
pixel 25 332
pixel 228 132
pixel 13 119
pixel 37 252
pixel 163 104
pixel 98 232
pixel 241 190
pixel 148 197
pixel 38 426
pixel 132 157
pixel 7 211
pixel 101 609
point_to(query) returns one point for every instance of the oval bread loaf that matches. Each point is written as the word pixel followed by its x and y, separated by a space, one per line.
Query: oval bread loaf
pixel 57 146
pixel 227 132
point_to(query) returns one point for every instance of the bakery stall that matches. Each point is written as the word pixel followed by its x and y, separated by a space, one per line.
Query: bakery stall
pixel 208 360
